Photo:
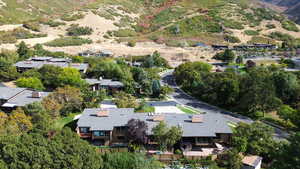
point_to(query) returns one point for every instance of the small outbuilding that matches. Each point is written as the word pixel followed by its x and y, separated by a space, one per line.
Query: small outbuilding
pixel 252 162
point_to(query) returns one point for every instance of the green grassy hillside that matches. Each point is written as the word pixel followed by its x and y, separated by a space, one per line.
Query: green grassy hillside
pixel 174 22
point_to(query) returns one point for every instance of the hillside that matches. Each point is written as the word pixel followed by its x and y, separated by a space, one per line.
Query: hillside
pixel 175 23
pixel 291 7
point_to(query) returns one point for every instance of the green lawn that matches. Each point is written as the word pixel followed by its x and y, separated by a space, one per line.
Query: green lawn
pixel 60 123
pixel 188 110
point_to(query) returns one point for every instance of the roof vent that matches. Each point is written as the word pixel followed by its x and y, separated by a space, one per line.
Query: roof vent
pixel 103 113
pixel 197 119
pixel 36 94
pixel 158 118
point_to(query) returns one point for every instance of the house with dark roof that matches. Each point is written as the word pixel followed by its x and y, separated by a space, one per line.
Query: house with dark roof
pixel 108 127
pixel 252 162
pixel 38 62
pixel 109 84
pixel 94 53
pixel 10 98
pixel 220 47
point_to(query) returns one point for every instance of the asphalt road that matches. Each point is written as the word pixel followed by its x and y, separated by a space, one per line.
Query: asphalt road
pixel 182 98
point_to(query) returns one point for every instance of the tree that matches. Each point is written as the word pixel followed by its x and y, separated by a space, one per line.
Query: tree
pixel 255 138
pixel 31 82
pixel 70 76
pixel 258 92
pixel 23 51
pixel 40 119
pixel 239 60
pixel 92 99
pixel 14 124
pixel 230 159
pixel 126 160
pixel 287 86
pixel 288 156
pixel 286 112
pixel 50 76
pixel 137 131
pixel 125 100
pixel 226 56
pixel 65 100
pixel 166 137
pixel 23 122
pixel 35 150
pixel 156 88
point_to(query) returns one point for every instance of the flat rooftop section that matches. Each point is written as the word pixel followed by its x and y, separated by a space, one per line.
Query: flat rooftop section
pixel 7 92
pixel 25 98
pixel 38 62
pixel 19 96
pixel 105 82
pixel 212 124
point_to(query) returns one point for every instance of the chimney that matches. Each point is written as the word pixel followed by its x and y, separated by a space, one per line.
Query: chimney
pixel 36 94
pixel 197 119
pixel 158 118
pixel 103 113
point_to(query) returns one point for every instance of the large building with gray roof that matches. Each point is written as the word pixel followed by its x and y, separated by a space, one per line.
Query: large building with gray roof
pixel 108 126
pixel 11 98
pixel 38 62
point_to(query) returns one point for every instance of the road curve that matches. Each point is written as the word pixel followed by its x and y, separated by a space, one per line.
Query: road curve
pixel 183 98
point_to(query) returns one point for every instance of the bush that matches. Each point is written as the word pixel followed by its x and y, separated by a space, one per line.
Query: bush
pixel 125 33
pixel 281 36
pixel 19 33
pixel 261 39
pixel 73 17
pixel 76 30
pixel 31 82
pixel 270 26
pixel 35 26
pixel 53 23
pixel 229 23
pixel 251 32
pixel 69 41
pixel 232 39
pixel 290 26
pixel 131 43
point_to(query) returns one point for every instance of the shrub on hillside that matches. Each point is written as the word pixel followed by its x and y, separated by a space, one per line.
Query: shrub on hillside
pixel 73 17
pixel 34 26
pixel 68 41
pixel 290 26
pixel 251 32
pixel 19 33
pixel 270 26
pixel 232 24
pixel 52 23
pixel 76 30
pixel 232 39
pixel 261 39
pixel 124 33
pixel 131 43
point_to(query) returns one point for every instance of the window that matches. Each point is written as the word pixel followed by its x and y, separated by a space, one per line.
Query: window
pixel 99 133
pixel 84 129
